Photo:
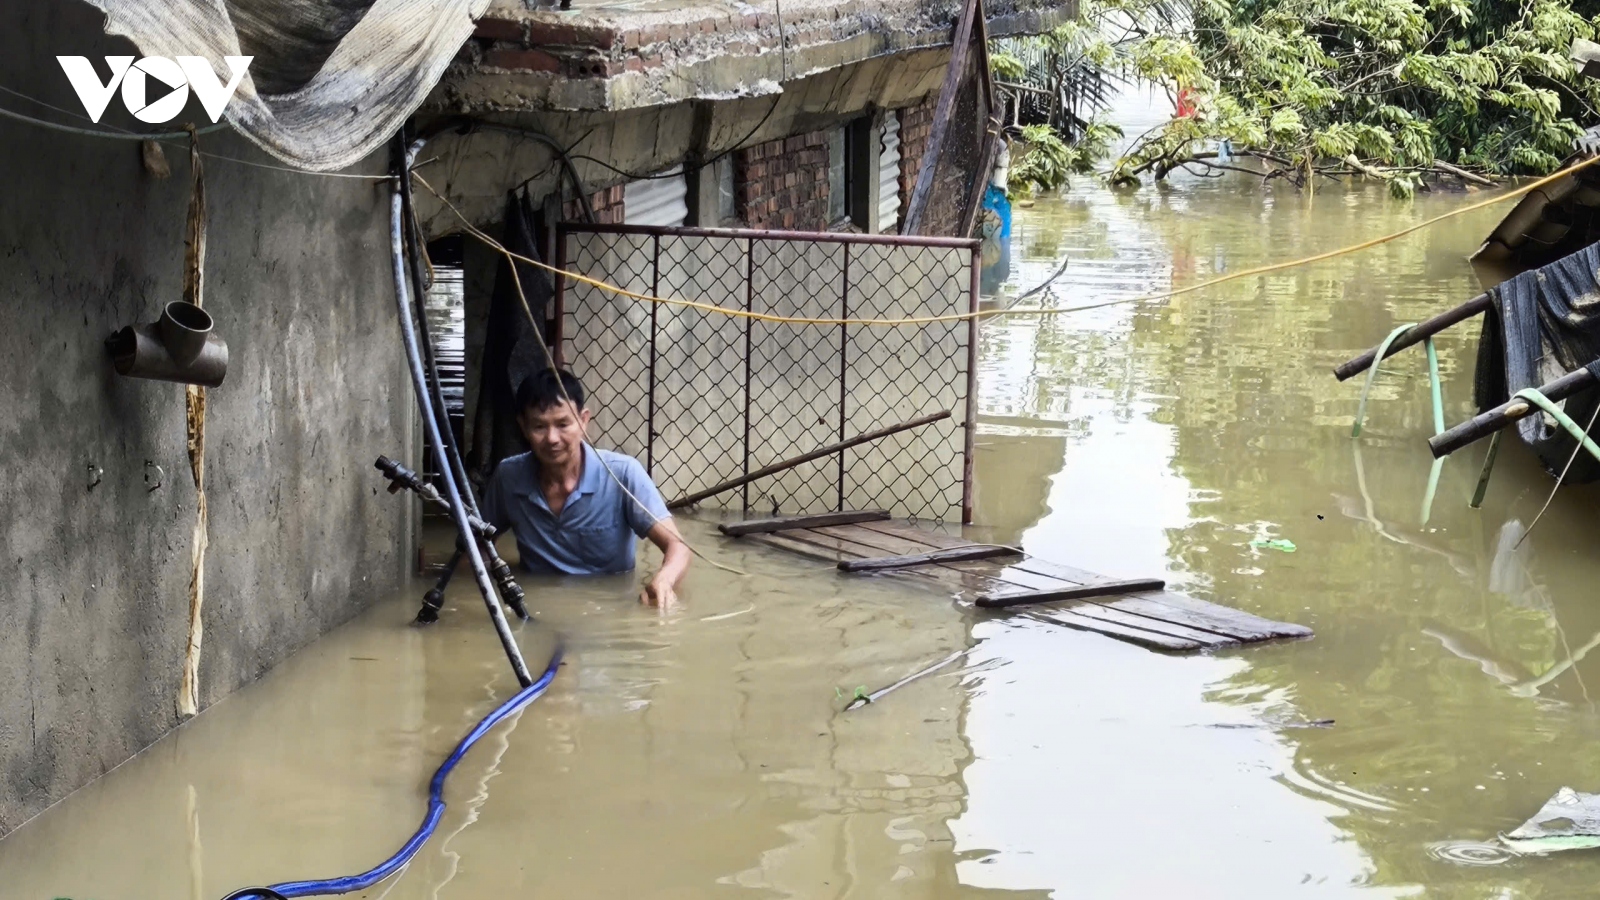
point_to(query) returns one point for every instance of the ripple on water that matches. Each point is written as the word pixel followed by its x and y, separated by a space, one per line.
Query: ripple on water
pixel 1470 853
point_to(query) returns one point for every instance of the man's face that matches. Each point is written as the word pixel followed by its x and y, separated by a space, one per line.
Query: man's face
pixel 555 433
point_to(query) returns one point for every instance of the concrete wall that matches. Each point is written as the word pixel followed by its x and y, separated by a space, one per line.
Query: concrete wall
pixel 476 169
pixel 301 535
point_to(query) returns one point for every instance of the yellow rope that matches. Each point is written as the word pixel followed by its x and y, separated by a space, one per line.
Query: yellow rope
pixel 994 313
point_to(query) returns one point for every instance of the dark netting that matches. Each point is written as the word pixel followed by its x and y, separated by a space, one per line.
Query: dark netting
pixel 511 349
pixel 1543 324
pixel 704 398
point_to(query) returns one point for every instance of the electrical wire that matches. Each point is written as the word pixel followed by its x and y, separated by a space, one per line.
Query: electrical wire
pixel 103 133
pixel 1007 311
pixel 60 109
pixel 171 138
pixel 430 822
pixel 404 156
pixel 723 154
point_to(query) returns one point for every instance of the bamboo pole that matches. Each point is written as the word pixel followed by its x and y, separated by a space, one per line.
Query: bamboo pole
pixel 790 463
pixel 1418 333
pixel 1486 423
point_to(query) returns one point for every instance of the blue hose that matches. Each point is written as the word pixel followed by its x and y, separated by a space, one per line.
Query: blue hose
pixel 430 822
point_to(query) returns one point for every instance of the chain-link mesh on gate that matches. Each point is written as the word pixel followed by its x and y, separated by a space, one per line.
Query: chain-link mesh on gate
pixel 702 398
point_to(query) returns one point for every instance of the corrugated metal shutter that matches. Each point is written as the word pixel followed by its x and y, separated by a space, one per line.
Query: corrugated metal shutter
pixel 657 201
pixel 889 175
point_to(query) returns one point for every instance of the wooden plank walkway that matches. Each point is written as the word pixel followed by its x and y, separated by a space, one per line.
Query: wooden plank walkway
pixel 1160 620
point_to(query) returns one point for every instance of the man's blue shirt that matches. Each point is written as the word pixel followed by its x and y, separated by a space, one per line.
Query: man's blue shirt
pixel 597 530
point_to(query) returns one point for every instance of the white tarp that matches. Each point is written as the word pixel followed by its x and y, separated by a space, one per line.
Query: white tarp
pixel 331 81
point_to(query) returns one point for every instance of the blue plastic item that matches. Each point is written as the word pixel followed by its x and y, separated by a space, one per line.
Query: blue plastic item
pixel 994 230
pixel 351 883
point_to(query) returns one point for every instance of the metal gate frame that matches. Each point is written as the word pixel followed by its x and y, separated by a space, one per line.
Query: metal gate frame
pixel 750 237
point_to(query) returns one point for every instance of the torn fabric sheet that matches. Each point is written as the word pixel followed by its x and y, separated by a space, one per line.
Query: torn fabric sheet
pixel 330 81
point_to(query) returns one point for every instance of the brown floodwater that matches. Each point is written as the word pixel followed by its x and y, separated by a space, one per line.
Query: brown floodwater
pixel 703 752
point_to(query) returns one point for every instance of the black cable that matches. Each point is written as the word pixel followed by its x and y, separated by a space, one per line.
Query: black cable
pixel 404 157
pixel 470 125
pixel 510 591
pixel 721 155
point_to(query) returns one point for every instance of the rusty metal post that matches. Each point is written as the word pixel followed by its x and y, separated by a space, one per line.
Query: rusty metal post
pixel 560 298
pixel 971 425
pixel 844 342
pixel 749 306
pixel 650 405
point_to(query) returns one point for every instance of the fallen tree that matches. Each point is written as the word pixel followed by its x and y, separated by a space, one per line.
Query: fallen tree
pixel 1406 91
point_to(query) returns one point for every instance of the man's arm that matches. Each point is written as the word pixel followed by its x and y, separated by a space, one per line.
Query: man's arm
pixel 661 589
pixel 649 518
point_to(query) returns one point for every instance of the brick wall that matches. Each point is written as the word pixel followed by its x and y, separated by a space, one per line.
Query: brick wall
pixel 915 124
pixel 607 205
pixel 783 184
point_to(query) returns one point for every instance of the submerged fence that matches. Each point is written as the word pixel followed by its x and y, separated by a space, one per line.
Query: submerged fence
pixel 702 397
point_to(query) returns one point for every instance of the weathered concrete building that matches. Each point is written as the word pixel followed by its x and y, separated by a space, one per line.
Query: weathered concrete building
pixel 808 119
pixel 811 118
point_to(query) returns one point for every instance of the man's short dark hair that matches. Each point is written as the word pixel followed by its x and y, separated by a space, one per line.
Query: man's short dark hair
pixel 544 390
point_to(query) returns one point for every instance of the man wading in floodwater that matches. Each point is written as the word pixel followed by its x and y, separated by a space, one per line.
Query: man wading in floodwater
pixel 571 516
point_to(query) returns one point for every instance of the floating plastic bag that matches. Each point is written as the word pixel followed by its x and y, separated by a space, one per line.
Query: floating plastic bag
pixel 1283 544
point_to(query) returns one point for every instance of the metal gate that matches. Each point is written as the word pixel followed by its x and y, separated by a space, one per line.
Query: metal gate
pixel 701 397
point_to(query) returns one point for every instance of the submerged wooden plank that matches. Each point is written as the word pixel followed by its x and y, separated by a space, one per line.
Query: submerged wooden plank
pixel 836 538
pixel 876 537
pixel 1075 592
pixel 1158 620
pixel 786 523
pixel 1078 609
pixel 1235 621
pixel 1015 577
pixel 932 557
pixel 1150 639
pixel 1007 578
pixel 1173 606
pixel 948 579
pixel 810 551
pixel 979 578
pixel 916 535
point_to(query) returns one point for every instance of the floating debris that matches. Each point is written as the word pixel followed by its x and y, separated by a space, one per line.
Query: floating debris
pixel 1569 821
pixel 1283 544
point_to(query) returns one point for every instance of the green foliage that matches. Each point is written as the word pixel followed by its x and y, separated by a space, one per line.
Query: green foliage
pixel 1006 66
pixel 1398 84
pixel 1042 161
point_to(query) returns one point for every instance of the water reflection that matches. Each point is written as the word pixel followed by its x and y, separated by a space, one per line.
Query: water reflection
pixel 704 753
pixel 1454 662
